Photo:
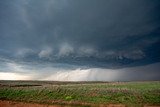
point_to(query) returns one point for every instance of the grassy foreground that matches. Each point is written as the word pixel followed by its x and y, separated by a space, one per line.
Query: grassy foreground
pixel 82 93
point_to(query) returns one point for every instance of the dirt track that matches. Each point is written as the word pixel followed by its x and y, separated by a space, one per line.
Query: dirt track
pixel 22 104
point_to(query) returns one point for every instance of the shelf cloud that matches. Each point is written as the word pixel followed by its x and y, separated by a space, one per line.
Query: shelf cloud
pixel 80 38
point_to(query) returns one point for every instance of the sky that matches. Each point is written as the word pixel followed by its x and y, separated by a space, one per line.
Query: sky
pixel 80 40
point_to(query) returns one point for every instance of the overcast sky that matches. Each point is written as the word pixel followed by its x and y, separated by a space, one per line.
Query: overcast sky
pixel 75 40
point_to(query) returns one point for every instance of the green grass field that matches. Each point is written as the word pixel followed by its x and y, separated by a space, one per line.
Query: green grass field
pixel 82 93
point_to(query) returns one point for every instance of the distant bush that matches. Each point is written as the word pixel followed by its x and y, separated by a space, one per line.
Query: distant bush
pixel 68 98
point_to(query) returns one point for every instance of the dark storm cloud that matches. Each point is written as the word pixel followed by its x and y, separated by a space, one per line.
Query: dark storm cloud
pixel 93 33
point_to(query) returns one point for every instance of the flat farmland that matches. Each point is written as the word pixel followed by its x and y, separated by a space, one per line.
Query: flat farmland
pixel 80 94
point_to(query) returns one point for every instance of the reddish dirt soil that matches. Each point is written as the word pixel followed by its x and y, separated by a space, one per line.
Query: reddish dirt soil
pixel 151 106
pixel 116 105
pixel 22 104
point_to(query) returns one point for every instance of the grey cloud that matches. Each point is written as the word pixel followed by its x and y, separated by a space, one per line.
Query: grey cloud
pixel 149 72
pixel 87 51
pixel 46 52
pixel 22 52
pixel 65 50
pixel 95 33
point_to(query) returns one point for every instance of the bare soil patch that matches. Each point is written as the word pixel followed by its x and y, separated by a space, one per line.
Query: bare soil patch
pixel 116 105
pixel 151 106
pixel 22 104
